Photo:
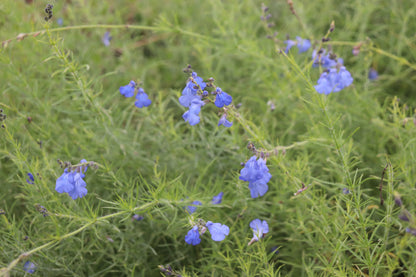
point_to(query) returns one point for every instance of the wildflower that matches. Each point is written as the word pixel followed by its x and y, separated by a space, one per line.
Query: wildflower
pixel 320 59
pixel 192 209
pixel 142 99
pixel 29 267
pixel 373 74
pixel 192 115
pixel 193 236
pixel 323 86
pixel 31 179
pixel 333 81
pixel 137 217
pixel 345 191
pixel 218 231
pixel 200 84
pixel 217 199
pixel 222 99
pixel 71 182
pixel 60 21
pixel 128 90
pixel 289 44
pixel 106 38
pixel 223 121
pixel 345 78
pixel 188 95
pixel 260 229
pixel 411 231
pixel 257 174
pixel 303 44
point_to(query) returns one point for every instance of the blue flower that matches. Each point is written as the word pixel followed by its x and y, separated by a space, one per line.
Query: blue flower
pixel 72 183
pixel 142 99
pixel 222 99
pixel 60 21
pixel 257 189
pixel 333 81
pixel 31 179
pixel 137 217
pixel 223 121
pixel 260 228
pixel 128 90
pixel 192 115
pixel 257 174
pixel 373 74
pixel 188 95
pixel 217 230
pixel 201 84
pixel 289 44
pixel 29 267
pixel 324 60
pixel 324 85
pixel 192 209
pixel 106 38
pixel 190 92
pixel 193 236
pixel 345 191
pixel 217 199
pixel 303 44
pixel 345 78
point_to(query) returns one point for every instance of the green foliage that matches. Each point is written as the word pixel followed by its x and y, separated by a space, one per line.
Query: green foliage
pixel 59 89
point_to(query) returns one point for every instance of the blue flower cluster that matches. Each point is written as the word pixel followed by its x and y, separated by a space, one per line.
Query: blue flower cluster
pixel 31 179
pixel 256 173
pixel 72 182
pixel 193 95
pixel 333 80
pixel 320 58
pixel 142 100
pixel 218 232
pixel 302 44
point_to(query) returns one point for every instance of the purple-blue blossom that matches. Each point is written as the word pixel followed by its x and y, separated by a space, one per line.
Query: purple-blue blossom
pixel 31 179
pixel 223 121
pixel 137 217
pixel 218 231
pixel 222 98
pixel 192 115
pixel 324 60
pixel 29 267
pixel 289 44
pixel 373 74
pixel 128 90
pixel 257 174
pixel 106 38
pixel 334 81
pixel 193 236
pixel 191 209
pixel 217 199
pixel 72 182
pixel 303 44
pixel 260 228
pixel 142 100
